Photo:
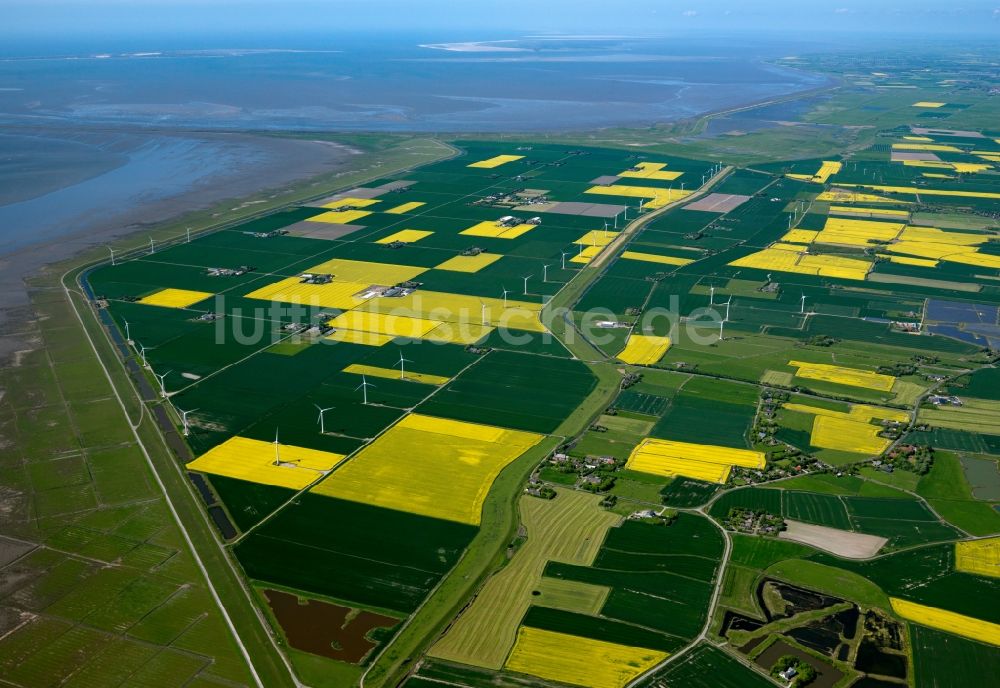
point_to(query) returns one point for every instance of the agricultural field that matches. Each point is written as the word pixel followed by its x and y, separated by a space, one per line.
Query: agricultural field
pixel 490 417
pixel 706 666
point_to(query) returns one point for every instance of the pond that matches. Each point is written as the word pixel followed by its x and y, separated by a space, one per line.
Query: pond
pixel 326 629
pixel 826 674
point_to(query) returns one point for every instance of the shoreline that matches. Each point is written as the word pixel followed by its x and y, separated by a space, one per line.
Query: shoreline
pixel 37 258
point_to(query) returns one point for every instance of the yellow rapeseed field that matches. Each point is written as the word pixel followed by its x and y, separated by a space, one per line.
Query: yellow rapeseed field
pixel 340 217
pixel 352 202
pixel 394 374
pixel 793 258
pixel 920 191
pixel 344 270
pixel 842 230
pixel 942 619
pixel 935 147
pixel 458 333
pixel 654 258
pixel 937 244
pixel 889 212
pixel 981 557
pixel 862 413
pixel 332 295
pixel 379 323
pixel 800 236
pixel 657 197
pixel 825 171
pixel 578 661
pixel 489 228
pixel 651 170
pixel 587 254
pixel 906 260
pixel 175 298
pixel 847 435
pixel 597 237
pixel 845 196
pixel 405 207
pixel 928 104
pixel 407 235
pixel 469 263
pixel 843 376
pixel 702 461
pixel 254 460
pixel 495 161
pixel 851 431
pixel 960 167
pixel 461 308
pixel 939 236
pixel 429 466
pixel 643 349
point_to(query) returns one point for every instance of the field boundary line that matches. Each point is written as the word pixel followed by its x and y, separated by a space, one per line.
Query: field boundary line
pixel 173 511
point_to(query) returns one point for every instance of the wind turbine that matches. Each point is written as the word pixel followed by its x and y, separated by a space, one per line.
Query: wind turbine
pixel 163 388
pixel 142 354
pixel 564 254
pixel 403 361
pixel 364 389
pixel 682 186
pixel 545 273
pixel 605 229
pixel 529 276
pixel 711 295
pixel 320 420
pixel 184 420
pixel 727 307
pixel 152 247
pixel 505 291
pixel 722 323
pixel 641 201
pixel 482 312
pixel 112 255
pixel 189 235
pixel 128 339
pixel 802 308
pixel 277 452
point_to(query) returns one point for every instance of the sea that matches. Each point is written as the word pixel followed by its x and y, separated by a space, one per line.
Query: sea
pixel 91 131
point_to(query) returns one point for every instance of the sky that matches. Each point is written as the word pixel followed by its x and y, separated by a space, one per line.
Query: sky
pixel 28 19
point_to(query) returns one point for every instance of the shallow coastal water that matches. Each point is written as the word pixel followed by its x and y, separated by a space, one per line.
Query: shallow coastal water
pixel 398 84
pixel 157 167
pixel 101 139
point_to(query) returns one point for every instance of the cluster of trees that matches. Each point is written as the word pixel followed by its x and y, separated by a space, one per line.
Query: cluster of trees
pixel 804 672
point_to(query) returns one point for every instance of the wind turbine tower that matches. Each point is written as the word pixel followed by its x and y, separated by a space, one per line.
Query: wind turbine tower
pixel 364 389
pixel 321 419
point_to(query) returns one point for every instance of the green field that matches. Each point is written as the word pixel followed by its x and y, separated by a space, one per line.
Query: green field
pixel 706 666
pixel 111 586
pixel 567 528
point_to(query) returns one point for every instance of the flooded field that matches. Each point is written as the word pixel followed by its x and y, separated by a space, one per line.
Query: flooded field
pixel 325 629
pixel 984 477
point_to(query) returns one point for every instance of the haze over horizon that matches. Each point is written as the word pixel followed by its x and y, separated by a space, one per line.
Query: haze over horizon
pixel 96 19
